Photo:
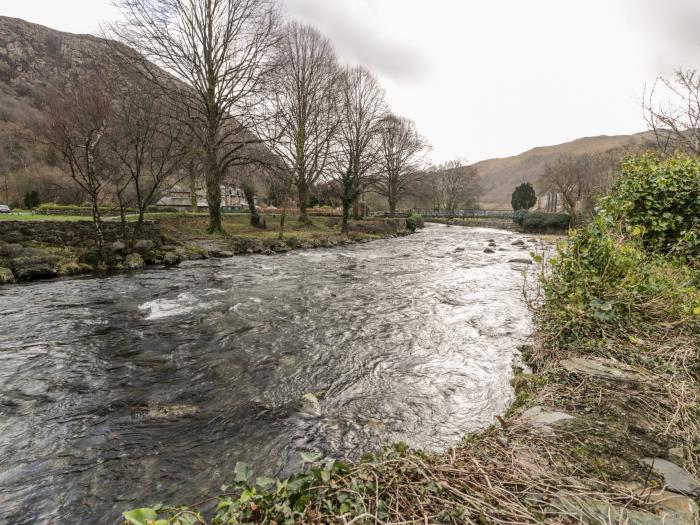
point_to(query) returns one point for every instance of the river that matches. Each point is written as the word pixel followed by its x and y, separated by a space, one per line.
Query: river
pixel 134 389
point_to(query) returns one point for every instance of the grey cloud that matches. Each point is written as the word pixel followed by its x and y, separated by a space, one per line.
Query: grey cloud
pixel 357 40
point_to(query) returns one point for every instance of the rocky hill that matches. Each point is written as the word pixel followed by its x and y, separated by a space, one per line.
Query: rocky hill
pixel 500 176
pixel 34 58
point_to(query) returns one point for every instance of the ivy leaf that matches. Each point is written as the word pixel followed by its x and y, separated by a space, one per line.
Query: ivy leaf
pixel 143 516
pixel 264 482
pixel 242 473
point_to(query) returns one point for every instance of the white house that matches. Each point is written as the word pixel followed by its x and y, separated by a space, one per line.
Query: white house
pixel 180 197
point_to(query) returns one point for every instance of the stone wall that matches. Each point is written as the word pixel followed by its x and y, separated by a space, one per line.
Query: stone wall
pixel 77 233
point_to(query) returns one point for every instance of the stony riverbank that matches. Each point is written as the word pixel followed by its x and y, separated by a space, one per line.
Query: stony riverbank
pixel 31 250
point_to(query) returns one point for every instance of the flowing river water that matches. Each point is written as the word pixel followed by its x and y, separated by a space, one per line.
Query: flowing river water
pixel 134 389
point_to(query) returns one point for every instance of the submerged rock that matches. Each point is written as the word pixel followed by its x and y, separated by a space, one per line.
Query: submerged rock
pixel 521 261
pixel 519 242
pixel 489 250
pixel 167 411
pixel 310 405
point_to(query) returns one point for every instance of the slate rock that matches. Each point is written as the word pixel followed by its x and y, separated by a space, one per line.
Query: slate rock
pixel 603 368
pixel 676 478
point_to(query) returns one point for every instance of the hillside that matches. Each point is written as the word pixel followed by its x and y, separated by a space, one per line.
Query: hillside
pixel 34 58
pixel 500 176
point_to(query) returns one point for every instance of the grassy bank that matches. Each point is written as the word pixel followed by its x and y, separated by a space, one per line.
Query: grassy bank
pixel 606 423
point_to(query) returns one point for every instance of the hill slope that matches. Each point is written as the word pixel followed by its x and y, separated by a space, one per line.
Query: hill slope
pixel 34 58
pixel 499 177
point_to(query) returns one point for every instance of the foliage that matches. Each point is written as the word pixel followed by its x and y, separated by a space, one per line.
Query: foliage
pixel 631 270
pixel 414 222
pixel 524 197
pixel 328 483
pixel 541 222
pixel 658 200
pixel 31 199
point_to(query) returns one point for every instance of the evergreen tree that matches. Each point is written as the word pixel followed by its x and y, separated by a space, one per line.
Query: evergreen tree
pixel 524 197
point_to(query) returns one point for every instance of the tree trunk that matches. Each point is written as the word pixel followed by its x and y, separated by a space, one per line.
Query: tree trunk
pixel 99 236
pixel 392 208
pixel 250 199
pixel 303 189
pixel 137 228
pixel 193 188
pixel 356 207
pixel 345 227
pixel 214 202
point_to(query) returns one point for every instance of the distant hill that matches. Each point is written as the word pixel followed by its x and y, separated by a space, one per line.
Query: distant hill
pixel 499 177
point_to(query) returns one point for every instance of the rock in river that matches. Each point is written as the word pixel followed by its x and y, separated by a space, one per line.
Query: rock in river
pixel 521 261
pixel 6 276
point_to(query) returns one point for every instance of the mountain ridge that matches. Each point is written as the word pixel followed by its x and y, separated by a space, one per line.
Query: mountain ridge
pixel 499 176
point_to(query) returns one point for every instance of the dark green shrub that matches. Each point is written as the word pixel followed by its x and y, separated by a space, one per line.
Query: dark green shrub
pixel 658 201
pixel 524 197
pixel 541 222
pixel 31 199
pixel 601 280
pixel 414 222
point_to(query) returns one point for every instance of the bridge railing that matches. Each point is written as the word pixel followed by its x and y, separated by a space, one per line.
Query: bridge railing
pixel 473 214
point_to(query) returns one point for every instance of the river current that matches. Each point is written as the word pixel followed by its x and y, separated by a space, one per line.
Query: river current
pixel 149 387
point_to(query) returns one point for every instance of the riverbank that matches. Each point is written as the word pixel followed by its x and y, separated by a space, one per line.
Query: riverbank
pixel 591 439
pixel 38 249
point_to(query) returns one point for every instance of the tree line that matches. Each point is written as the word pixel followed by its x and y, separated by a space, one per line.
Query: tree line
pixel 228 88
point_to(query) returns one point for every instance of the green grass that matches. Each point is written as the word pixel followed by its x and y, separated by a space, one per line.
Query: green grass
pixel 28 216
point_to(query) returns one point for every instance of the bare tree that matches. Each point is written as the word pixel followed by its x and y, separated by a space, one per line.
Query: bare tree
pixel 453 185
pixel 149 145
pixel 675 122
pixel 216 54
pixel 566 177
pixel 303 107
pixel 78 120
pixel 402 152
pixel 362 108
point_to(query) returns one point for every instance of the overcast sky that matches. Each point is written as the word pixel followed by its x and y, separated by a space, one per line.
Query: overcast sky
pixel 485 78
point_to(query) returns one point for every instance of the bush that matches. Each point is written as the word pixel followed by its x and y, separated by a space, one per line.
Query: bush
pixel 69 209
pixel 414 222
pixel 622 274
pixel 658 200
pixel 31 199
pixel 541 222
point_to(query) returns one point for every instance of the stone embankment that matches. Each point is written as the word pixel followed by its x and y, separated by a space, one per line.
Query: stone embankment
pixel 43 249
